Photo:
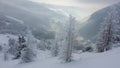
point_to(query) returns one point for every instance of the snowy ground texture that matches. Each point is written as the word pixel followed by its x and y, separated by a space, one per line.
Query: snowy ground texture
pixel 44 59
pixel 85 60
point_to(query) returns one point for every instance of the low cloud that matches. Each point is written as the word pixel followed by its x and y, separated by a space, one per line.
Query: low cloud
pixel 89 6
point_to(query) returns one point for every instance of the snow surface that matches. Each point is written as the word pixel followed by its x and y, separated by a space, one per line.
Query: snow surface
pixel 108 59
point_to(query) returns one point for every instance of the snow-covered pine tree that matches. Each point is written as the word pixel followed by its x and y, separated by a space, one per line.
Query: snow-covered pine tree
pixel 27 55
pixel 21 45
pixel 68 40
pixel 107 31
pixel 31 41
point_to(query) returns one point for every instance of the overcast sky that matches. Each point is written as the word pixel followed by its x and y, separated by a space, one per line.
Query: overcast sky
pixel 89 6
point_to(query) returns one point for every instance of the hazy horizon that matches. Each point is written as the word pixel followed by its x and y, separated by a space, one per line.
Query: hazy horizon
pixel 82 8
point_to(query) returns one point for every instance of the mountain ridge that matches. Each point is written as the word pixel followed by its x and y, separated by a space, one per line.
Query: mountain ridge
pixel 92 26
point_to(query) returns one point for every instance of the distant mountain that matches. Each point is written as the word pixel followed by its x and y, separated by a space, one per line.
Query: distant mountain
pixel 36 16
pixel 92 27
pixel 31 13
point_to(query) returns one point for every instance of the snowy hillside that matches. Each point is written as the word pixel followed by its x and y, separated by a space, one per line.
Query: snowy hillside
pixel 37 17
pixel 44 59
pixel 93 23
pixel 85 60
pixel 47 34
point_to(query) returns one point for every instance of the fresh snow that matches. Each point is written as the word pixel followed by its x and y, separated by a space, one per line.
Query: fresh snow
pixel 108 59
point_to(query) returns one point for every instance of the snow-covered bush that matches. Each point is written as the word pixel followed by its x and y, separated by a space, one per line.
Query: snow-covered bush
pixel 55 48
pixel 27 55
pixel 88 49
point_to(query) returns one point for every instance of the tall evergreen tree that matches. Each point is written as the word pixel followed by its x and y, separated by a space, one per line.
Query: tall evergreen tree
pixel 21 45
pixel 27 52
pixel 68 41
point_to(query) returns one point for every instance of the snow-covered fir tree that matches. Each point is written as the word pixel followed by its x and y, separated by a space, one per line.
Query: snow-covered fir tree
pixel 28 49
pixel 27 55
pixel 68 41
pixel 21 45
pixel 31 41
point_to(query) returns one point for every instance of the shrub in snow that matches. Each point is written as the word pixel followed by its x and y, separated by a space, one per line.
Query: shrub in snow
pixel 27 55
pixel 55 49
pixel 88 49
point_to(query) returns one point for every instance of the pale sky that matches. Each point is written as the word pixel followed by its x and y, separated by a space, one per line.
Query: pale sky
pixel 89 6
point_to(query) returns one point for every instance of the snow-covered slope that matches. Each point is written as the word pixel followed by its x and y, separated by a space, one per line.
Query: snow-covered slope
pixel 95 20
pixel 108 59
